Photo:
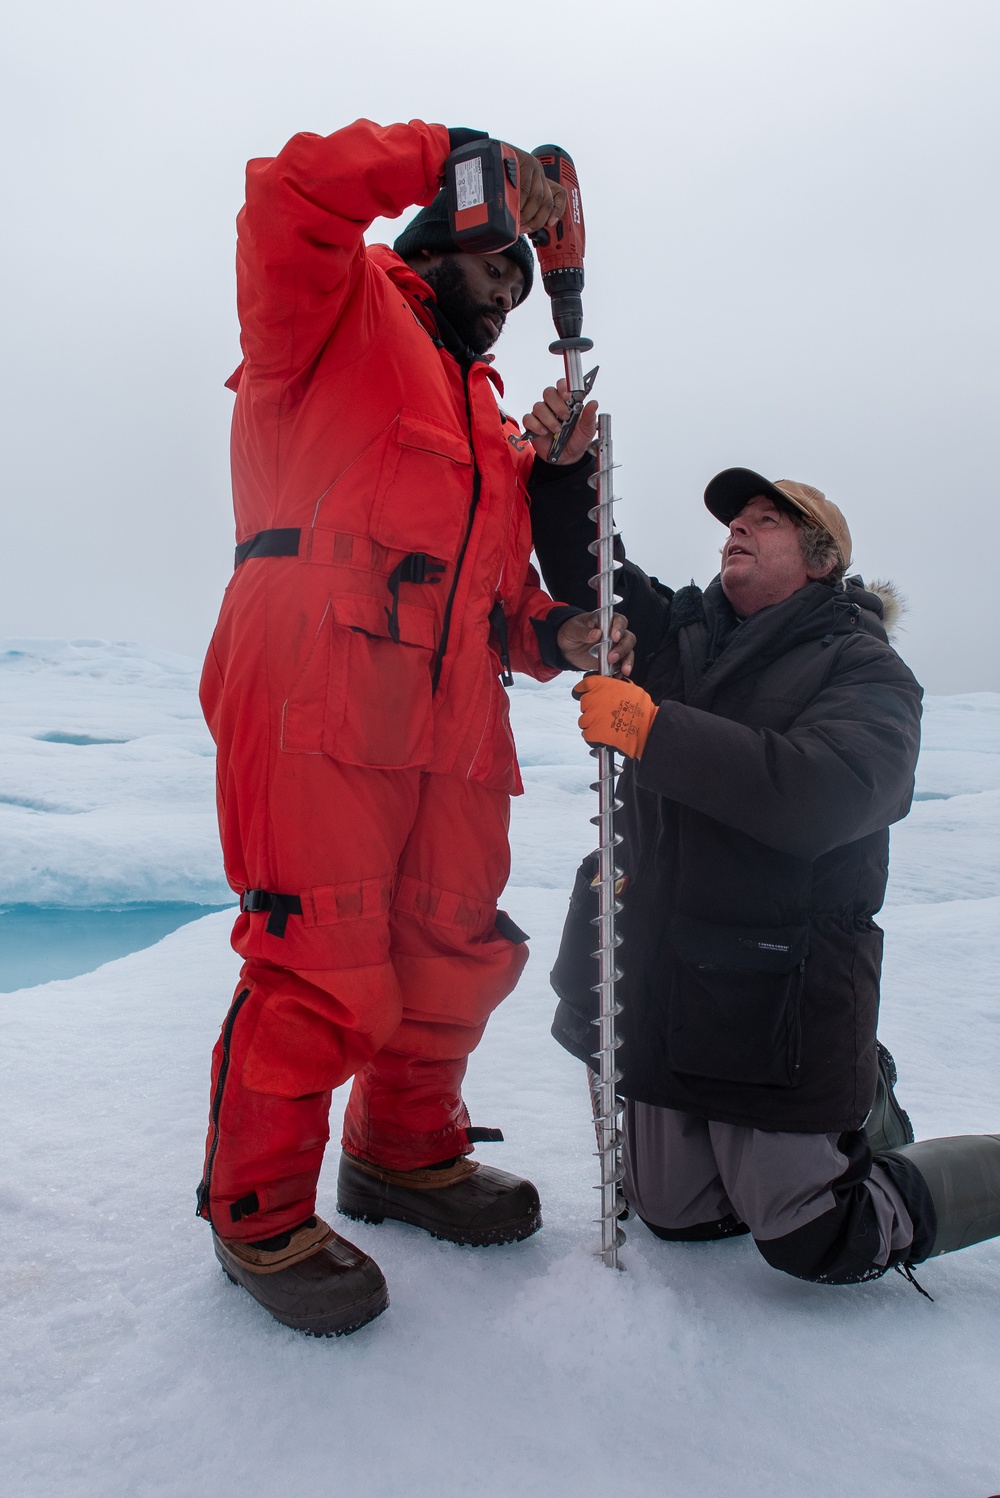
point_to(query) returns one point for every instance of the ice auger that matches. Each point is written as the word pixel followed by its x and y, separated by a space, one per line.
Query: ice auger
pixel 560 256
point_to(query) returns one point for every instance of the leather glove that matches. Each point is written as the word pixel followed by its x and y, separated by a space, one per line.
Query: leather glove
pixel 615 714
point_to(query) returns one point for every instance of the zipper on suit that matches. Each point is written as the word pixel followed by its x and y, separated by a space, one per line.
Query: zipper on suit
pixel 205 1187
pixel 477 484
pixel 498 622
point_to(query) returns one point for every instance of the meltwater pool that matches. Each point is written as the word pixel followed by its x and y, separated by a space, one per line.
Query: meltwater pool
pixel 39 943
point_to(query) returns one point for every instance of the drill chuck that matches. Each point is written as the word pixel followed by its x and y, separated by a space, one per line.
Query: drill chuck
pixel 564 287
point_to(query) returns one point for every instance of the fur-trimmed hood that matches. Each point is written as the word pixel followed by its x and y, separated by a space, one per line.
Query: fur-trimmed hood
pixel 894 603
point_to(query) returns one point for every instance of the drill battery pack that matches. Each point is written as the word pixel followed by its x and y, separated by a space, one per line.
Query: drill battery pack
pixel 483 187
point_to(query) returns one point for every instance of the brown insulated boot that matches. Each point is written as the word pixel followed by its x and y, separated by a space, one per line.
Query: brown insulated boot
pixel 463 1201
pixel 310 1279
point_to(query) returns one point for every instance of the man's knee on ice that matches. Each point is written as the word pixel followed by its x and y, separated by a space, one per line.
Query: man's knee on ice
pixel 842 1247
pixel 845 1244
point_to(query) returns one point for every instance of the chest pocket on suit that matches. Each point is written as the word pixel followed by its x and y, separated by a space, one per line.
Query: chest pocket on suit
pixel 424 489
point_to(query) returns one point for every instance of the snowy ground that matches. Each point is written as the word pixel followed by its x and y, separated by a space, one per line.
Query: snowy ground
pixel 108 777
pixel 133 1367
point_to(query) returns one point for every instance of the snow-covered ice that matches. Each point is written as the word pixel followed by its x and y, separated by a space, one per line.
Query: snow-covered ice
pixel 108 779
pixel 133 1367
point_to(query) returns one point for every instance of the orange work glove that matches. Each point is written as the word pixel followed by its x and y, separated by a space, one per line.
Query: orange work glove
pixel 615 713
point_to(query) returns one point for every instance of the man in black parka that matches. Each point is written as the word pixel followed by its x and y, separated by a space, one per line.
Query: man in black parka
pixel 770 733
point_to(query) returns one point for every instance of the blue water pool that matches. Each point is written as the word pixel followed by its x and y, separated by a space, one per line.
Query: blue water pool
pixel 38 943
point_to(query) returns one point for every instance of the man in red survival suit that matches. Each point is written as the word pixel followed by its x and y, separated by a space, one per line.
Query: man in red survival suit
pixel 355 690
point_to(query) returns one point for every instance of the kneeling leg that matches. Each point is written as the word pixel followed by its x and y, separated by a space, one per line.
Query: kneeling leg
pixel 817 1206
pixel 672 1181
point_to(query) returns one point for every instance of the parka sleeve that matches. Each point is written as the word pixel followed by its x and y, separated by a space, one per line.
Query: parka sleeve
pixel 532 604
pixel 300 234
pixel 525 652
pixel 562 531
pixel 843 770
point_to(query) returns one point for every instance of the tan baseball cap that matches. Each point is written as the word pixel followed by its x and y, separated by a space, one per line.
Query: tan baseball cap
pixel 730 490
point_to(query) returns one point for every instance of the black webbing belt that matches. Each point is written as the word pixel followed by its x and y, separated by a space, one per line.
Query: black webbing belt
pixel 280 906
pixel 280 543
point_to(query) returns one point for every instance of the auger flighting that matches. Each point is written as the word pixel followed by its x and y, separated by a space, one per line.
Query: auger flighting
pixel 560 256
pixel 607 1109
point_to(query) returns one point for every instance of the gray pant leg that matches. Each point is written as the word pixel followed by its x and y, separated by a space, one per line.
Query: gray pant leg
pixel 895 1224
pixel 780 1182
pixel 777 1182
pixel 678 1168
pixel 682 1171
pixel 671 1176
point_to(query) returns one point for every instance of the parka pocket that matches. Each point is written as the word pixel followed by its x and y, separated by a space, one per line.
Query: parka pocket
pixel 735 1001
pixel 575 974
pixel 424 489
pixel 361 697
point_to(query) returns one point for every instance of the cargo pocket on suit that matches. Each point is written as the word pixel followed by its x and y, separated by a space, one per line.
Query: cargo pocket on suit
pixel 379 702
pixel 735 1001
pixel 362 697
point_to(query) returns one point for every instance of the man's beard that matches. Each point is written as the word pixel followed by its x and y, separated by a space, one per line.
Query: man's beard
pixel 462 311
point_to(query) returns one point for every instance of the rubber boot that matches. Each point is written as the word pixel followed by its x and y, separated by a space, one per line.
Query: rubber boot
pixel 310 1279
pixel 887 1125
pixel 952 1189
pixel 464 1202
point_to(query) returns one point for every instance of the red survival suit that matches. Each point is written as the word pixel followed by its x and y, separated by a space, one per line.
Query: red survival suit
pixel 365 759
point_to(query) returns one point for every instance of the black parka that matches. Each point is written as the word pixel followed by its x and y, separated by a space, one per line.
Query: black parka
pixel 755 844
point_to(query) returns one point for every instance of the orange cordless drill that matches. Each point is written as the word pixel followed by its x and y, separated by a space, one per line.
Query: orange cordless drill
pixel 481 180
pixel 560 257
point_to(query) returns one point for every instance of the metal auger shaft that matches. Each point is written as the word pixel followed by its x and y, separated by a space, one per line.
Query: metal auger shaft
pixel 607 1110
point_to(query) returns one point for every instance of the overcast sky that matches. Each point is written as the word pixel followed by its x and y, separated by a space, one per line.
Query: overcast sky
pixel 792 266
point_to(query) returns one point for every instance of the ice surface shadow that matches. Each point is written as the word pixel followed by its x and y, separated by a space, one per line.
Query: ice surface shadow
pixel 39 943
pixel 83 739
pixel 27 803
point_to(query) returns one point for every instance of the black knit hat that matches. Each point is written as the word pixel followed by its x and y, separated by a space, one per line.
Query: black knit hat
pixel 430 230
